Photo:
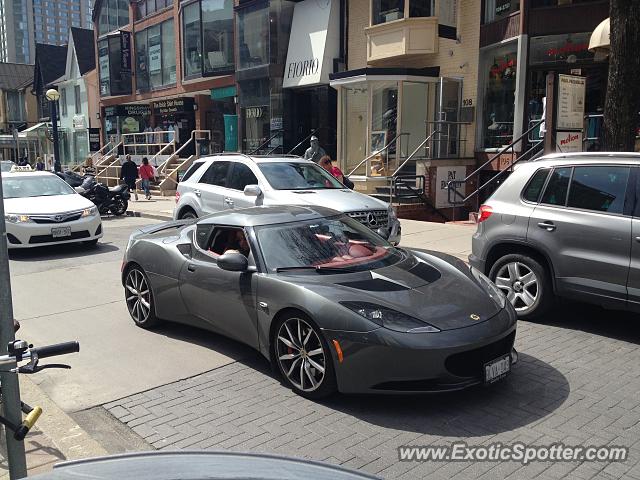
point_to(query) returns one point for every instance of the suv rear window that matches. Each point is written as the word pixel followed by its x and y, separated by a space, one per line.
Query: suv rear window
pixel 534 188
pixel 601 189
pixel 216 174
pixel 556 191
pixel 191 170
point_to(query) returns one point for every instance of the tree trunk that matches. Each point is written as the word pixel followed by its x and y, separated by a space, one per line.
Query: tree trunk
pixel 622 104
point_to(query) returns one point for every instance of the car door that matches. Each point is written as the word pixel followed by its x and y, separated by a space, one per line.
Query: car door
pixel 583 224
pixel 633 284
pixel 211 186
pixel 224 300
pixel 240 176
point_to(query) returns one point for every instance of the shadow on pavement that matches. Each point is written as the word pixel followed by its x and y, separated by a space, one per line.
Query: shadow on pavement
pixel 618 325
pixel 517 401
pixel 63 251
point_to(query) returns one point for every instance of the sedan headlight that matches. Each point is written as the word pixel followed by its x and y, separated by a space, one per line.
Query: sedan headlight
pixel 89 212
pixel 14 218
pixel 388 318
pixel 493 291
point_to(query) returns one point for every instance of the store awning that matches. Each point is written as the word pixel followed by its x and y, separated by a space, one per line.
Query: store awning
pixel 599 42
pixel 422 75
pixel 313 44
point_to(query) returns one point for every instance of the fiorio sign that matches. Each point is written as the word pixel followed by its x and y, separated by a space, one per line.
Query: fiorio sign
pixel 303 68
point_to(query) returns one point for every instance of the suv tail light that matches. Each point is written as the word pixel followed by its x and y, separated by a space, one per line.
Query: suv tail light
pixel 484 213
pixel 177 196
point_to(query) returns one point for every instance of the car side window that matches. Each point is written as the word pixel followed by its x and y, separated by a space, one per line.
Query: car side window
pixel 216 174
pixel 557 187
pixel 241 176
pixel 534 188
pixel 191 170
pixel 599 188
pixel 203 235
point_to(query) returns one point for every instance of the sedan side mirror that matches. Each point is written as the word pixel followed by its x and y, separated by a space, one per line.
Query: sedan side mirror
pixel 233 262
pixel 252 191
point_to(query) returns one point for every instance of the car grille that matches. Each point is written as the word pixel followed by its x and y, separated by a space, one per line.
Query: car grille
pixel 49 238
pixel 56 217
pixel 373 219
pixel 470 363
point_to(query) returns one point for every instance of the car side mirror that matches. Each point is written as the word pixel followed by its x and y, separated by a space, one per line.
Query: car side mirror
pixel 233 262
pixel 252 191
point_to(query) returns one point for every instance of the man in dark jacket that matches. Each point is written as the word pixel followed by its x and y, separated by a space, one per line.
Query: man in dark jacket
pixel 129 174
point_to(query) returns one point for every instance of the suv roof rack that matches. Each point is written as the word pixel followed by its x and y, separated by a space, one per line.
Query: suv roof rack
pixel 252 157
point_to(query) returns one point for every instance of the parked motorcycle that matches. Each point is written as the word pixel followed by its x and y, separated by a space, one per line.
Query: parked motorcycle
pixel 114 200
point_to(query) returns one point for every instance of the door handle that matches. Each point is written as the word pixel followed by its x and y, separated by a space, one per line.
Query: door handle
pixel 549 226
pixel 198 193
pixel 191 267
pixel 228 201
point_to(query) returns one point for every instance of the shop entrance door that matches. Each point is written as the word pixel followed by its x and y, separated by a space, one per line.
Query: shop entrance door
pixel 447 142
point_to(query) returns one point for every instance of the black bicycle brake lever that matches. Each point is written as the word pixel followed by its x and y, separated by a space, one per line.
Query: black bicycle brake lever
pixel 28 369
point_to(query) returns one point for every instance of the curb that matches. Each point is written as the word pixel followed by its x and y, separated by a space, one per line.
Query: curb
pixel 154 216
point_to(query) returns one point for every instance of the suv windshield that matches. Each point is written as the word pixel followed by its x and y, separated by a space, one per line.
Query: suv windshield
pixel 36 186
pixel 326 243
pixel 298 176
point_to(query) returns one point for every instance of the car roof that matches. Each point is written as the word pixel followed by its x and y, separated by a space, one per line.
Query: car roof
pixel 586 158
pixel 271 215
pixel 227 156
pixel 27 174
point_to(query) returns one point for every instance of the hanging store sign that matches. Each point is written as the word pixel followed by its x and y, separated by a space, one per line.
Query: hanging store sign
pixel 568 142
pixel 313 43
pixel 94 139
pixel 173 105
pixel 126 110
pixel 125 52
pixel 560 49
pixel 253 112
pixel 571 94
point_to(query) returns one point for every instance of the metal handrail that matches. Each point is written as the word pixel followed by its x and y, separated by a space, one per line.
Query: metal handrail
pixel 99 152
pixel 263 144
pixel 170 144
pixel 192 138
pixel 377 153
pixel 109 153
pixel 414 152
pixel 421 194
pixel 169 176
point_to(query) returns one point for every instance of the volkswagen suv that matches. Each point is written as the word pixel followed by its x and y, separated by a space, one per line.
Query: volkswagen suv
pixel 566 225
pixel 228 181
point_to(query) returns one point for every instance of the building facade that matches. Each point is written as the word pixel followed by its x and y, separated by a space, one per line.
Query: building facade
pixel 23 23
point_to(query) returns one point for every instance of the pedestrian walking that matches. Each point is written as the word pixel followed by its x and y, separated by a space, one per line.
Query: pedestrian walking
pixel 147 174
pixel 129 174
pixel 39 164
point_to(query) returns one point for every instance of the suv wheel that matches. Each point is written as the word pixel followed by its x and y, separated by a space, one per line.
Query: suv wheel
pixel 526 284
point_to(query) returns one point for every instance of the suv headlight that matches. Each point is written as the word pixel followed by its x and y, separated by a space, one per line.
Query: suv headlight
pixel 388 318
pixel 14 218
pixel 89 212
pixel 494 292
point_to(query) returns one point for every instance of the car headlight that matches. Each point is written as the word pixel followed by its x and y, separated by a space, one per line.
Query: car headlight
pixel 494 292
pixel 393 216
pixel 388 318
pixel 89 212
pixel 13 218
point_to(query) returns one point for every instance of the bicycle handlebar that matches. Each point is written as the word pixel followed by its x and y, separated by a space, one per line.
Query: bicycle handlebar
pixel 57 349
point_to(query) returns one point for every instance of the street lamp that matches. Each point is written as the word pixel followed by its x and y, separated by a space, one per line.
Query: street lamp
pixel 53 96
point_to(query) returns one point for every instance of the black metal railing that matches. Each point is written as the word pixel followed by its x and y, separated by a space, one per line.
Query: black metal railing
pixel 415 186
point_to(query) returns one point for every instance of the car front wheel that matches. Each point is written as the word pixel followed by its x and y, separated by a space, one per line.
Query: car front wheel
pixel 303 357
pixel 526 284
pixel 139 298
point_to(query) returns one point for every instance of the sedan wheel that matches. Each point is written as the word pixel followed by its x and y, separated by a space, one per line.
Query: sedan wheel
pixel 139 298
pixel 303 359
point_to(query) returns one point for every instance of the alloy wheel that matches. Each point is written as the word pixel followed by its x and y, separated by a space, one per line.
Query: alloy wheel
pixel 138 296
pixel 301 355
pixel 520 284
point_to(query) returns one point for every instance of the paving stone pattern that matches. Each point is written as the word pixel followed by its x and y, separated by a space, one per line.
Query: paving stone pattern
pixel 574 385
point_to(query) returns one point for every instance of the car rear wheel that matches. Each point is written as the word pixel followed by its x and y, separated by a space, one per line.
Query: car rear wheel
pixel 303 357
pixel 526 284
pixel 139 298
pixel 188 214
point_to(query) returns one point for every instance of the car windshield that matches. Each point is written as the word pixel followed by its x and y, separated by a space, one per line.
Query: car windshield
pixel 34 186
pixel 327 243
pixel 298 176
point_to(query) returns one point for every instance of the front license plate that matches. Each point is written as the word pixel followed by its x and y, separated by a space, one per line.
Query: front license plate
pixel 497 369
pixel 59 232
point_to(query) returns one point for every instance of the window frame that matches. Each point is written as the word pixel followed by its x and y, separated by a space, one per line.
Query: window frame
pixel 406 13
pixel 566 197
pixel 150 87
pixel 232 171
pixel 544 185
pixel 629 194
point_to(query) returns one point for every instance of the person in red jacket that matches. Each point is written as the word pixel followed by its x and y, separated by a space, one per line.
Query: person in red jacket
pixel 147 174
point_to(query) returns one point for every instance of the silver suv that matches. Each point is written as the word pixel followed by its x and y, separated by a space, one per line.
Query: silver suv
pixel 228 180
pixel 566 225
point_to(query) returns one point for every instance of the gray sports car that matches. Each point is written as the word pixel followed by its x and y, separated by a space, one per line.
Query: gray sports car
pixel 328 301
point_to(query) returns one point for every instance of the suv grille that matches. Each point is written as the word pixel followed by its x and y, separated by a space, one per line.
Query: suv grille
pixel 373 219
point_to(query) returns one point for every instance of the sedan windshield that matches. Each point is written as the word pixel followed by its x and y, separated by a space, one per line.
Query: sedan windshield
pixel 298 176
pixel 327 244
pixel 34 186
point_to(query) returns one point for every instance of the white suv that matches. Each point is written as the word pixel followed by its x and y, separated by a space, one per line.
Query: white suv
pixel 230 180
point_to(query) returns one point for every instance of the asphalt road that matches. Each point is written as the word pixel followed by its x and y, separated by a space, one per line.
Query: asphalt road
pixel 73 292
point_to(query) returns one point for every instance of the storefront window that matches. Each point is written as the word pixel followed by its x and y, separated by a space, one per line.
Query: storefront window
pixel 497 9
pixel 255 113
pixel 148 7
pixel 192 40
pixel 253 36
pixel 114 14
pixel 355 119
pixel 561 49
pixel 156 55
pixel 217 32
pixel 384 116
pixel 115 78
pixel 499 96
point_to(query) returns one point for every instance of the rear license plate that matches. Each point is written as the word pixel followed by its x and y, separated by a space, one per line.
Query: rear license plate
pixel 59 232
pixel 497 369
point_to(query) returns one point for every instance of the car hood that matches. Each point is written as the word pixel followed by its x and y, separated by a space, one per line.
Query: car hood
pixel 46 205
pixel 343 200
pixel 434 288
